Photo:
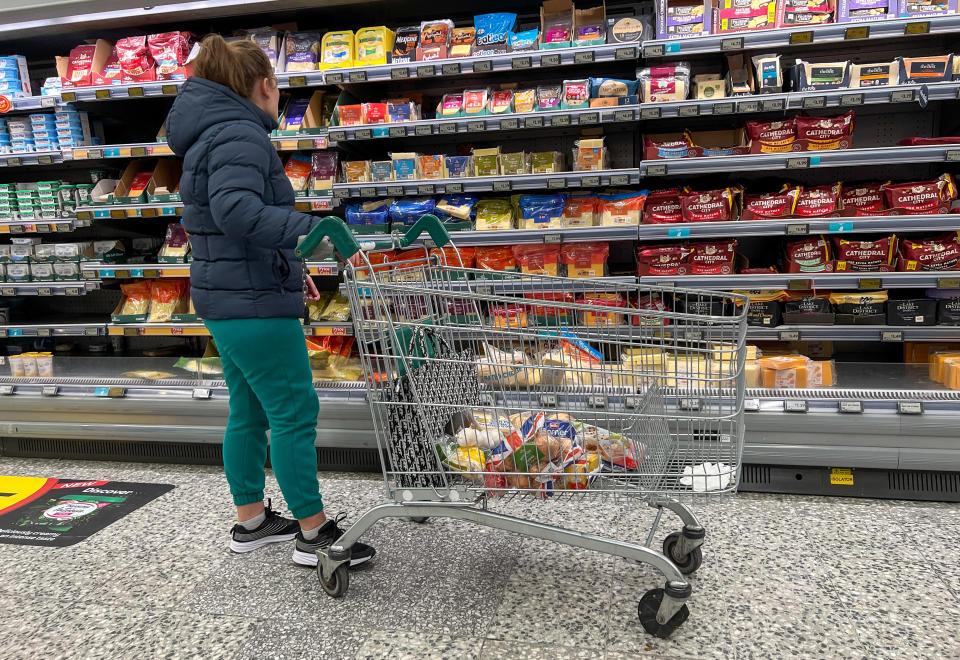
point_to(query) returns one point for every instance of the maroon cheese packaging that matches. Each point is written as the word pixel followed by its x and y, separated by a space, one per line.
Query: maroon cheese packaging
pixel 818 202
pixel 711 205
pixel 921 197
pixel 939 253
pixel 662 207
pixel 712 258
pixel 864 199
pixel 810 255
pixel 663 260
pixel 771 206
pixel 877 256
pixel 801 133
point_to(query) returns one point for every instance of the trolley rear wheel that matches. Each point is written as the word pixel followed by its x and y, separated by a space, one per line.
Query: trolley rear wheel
pixel 687 564
pixel 337 585
pixel 647 611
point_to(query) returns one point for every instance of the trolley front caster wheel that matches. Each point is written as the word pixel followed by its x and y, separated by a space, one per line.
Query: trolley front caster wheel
pixel 337 585
pixel 687 564
pixel 647 610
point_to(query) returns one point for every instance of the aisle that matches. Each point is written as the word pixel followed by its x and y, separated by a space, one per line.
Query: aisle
pixel 782 576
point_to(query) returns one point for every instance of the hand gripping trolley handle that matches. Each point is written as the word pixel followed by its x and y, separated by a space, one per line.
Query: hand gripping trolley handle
pixel 488 385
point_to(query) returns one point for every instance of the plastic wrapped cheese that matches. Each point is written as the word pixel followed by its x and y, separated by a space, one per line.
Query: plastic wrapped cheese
pixel 338 49
pixel 373 44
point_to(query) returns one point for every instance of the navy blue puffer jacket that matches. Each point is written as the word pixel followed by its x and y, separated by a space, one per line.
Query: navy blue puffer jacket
pixel 237 206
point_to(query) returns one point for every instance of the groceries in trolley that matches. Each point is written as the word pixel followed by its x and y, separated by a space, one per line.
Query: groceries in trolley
pixel 538 451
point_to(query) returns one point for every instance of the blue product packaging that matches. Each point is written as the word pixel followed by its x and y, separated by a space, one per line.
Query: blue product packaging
pixel 458 166
pixel 405 169
pixel 293 116
pixel 368 213
pixel 398 111
pixel 408 211
pixel 381 170
pixel 10 75
pixel 456 208
pixel 9 62
pixel 492 32
pixel 526 40
pixel 612 87
pixel 542 209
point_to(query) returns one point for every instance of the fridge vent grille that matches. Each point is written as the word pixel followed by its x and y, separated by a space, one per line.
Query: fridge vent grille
pixel 924 482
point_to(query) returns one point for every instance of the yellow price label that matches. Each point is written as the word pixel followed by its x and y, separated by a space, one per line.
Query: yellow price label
pixel 801 37
pixel 922 27
pixel 102 93
pixel 841 477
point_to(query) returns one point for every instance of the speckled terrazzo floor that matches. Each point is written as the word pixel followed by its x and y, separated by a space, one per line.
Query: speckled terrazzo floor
pixel 783 577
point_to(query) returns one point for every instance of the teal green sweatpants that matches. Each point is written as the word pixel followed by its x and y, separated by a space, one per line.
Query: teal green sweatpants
pixel 267 370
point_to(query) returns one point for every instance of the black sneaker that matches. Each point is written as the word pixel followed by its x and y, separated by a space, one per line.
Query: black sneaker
pixel 274 529
pixel 305 552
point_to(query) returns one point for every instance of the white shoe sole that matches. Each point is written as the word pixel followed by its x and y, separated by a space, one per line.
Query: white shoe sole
pixel 250 546
pixel 310 559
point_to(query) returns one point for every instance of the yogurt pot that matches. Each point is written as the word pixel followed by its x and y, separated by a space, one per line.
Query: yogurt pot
pixel 45 365
pixel 30 369
pixel 16 366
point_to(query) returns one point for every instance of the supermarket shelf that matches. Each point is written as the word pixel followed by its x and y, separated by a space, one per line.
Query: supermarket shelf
pixel 842 98
pixel 560 181
pixel 528 236
pixel 40 226
pixel 798 226
pixel 805 281
pixel 54 330
pixel 301 142
pixel 197 329
pixel 803 160
pixel 120 211
pixel 108 92
pixel 803 36
pixel 883 333
pixel 133 150
pixel 31 158
pixel 488 123
pixel 456 67
pixel 134 271
pixel 8 289
pixel 32 103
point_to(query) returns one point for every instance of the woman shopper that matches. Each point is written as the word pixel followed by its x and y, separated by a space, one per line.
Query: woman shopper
pixel 248 286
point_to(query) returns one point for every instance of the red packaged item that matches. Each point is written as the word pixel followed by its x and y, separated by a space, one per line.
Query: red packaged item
pixel 811 255
pixel 768 206
pixel 448 256
pixel 585 259
pixel 662 207
pixel 556 310
pixel 538 259
pixel 135 59
pixel 772 137
pixel 373 113
pixel 81 65
pixel 709 206
pixel 651 302
pixel 818 202
pixel 758 271
pixel 940 253
pixel 170 51
pixel 380 261
pixel 496 258
pixel 711 258
pixel 112 74
pixel 921 197
pixel 864 199
pixel 825 133
pixel 659 260
pixel 866 256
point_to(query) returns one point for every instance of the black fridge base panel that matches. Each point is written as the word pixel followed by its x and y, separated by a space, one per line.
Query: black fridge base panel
pixel 188 453
pixel 925 485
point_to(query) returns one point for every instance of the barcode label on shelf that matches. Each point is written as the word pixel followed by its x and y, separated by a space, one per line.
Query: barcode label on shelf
pixel 797 163
pixel 891 335
pixel 509 124
pixel 363 134
pixel 852 407
pixel 814 102
pixel 688 111
pixel 857 32
pixel 948 283
pixel 402 73
pixel 426 71
pixel 619 179
pixel 723 108
pixel 789 335
pixel 521 63
pixel 731 44
pixel 482 66
pixel 585 57
pixel 910 407
pixel 297 81
pixel 656 170
pixel 851 99
pixel 623 115
pixel 423 130
pixel 748 106
pixel 201 393
pixel 395 191
pixel 751 405
pixel 451 188
pixel 773 105
pixel 531 122
pixel 796 229
pixel 649 113
pixel 50 390
pixel 425 189
pixel 590 181
pixel 560 120
pixel 901 96
pixel 548 400
pixel 556 183
pixel 552 59
pixel 795 406
pixel 6 390
pixel 922 27
pixel 657 50
pixel 625 53
pixel 590 118
pixel 447 128
pixel 952 155
pixel 597 401
pixel 501 185
pixel 338 136
pixel 452 69
pixel 805 37
pixel 868 283
pixel 690 404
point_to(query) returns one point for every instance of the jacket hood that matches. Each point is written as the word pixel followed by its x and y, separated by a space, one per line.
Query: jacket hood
pixel 203 103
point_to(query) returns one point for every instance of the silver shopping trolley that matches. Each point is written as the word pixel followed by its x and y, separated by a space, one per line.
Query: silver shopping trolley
pixel 488 384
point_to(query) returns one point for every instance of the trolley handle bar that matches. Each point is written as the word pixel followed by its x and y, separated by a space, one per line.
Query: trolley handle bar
pixel 347 245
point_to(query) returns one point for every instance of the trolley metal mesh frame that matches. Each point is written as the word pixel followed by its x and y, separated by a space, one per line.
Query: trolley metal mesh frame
pixel 651 393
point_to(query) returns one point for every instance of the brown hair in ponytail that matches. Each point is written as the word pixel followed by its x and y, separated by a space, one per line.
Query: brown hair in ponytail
pixel 238 65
